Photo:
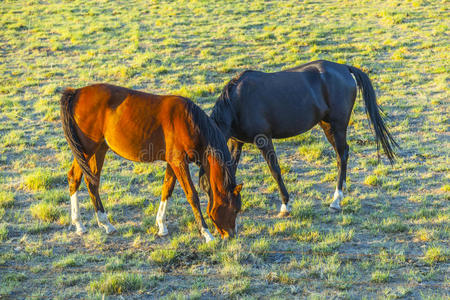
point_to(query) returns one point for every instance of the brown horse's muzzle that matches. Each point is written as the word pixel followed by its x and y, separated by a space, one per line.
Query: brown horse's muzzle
pixel 231 233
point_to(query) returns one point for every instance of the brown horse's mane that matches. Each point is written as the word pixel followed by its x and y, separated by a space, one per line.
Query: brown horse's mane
pixel 217 145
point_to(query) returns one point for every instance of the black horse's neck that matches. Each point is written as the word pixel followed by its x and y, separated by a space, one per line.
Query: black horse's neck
pixel 223 115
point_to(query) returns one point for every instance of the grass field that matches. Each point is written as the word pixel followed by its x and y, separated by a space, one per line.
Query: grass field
pixel 390 241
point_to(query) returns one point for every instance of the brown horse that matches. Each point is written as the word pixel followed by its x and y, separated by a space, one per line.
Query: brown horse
pixel 144 127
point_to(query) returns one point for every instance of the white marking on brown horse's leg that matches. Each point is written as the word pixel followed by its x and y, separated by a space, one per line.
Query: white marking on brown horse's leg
pixel 338 196
pixel 102 221
pixel 161 219
pixel 75 214
pixel 207 235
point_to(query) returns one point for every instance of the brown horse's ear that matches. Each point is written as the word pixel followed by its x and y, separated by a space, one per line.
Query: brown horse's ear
pixel 237 189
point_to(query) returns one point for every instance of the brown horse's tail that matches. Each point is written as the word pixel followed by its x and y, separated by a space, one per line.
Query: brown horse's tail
pixel 70 132
pixel 382 135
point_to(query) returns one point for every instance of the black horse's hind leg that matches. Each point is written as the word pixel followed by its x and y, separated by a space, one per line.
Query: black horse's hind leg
pixel 342 150
pixel 235 148
pixel 330 137
pixel 270 156
pixel 338 139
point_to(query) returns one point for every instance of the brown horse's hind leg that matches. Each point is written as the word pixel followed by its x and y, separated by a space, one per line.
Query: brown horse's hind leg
pixel 169 184
pixel 74 178
pixel 338 139
pixel 96 164
pixel 270 156
pixel 181 171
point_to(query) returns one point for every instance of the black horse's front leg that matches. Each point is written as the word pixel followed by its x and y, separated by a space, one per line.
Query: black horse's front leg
pixel 235 148
pixel 268 152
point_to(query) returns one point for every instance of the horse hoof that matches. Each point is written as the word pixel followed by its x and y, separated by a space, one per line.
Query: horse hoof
pixel 163 233
pixel 335 209
pixel 110 229
pixel 283 214
pixel 81 232
pixel 79 229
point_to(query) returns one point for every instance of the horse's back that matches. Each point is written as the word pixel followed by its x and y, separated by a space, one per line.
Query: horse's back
pixel 336 78
pixel 340 86
pixel 290 102
pixel 136 125
pixel 276 103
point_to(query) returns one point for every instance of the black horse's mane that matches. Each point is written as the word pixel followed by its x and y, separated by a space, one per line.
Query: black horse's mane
pixel 228 89
pixel 223 106
pixel 217 145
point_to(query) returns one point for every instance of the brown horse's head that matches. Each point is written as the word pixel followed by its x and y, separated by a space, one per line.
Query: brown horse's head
pixel 224 212
pixel 224 198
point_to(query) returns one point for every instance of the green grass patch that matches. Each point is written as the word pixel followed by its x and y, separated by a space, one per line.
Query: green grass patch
pixel 41 179
pixel 3 232
pixel 312 152
pixel 435 254
pixel 73 260
pixel 116 283
pixel 54 196
pixel 380 276
pixel 393 225
pixel 236 287
pixel 39 228
pixel 48 212
pixel 163 256
pixel 372 180
pixel 114 264
pixel 261 246
pixel 6 199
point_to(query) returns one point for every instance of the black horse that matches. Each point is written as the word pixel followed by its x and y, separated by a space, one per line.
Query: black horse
pixel 255 107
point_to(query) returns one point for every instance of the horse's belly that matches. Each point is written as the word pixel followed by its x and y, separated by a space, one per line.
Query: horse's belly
pixel 297 120
pixel 137 147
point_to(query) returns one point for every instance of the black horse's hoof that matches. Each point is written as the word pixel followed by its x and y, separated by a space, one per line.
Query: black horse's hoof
pixel 283 214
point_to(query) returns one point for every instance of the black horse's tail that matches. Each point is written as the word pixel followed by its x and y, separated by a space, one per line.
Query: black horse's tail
pixel 70 132
pixel 382 135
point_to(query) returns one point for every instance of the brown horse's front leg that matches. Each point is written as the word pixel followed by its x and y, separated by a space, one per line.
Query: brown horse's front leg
pixel 181 170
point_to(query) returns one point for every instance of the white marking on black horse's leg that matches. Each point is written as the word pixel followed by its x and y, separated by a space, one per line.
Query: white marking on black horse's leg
pixel 207 235
pixel 102 221
pixel 75 214
pixel 336 204
pixel 161 219
pixel 285 208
